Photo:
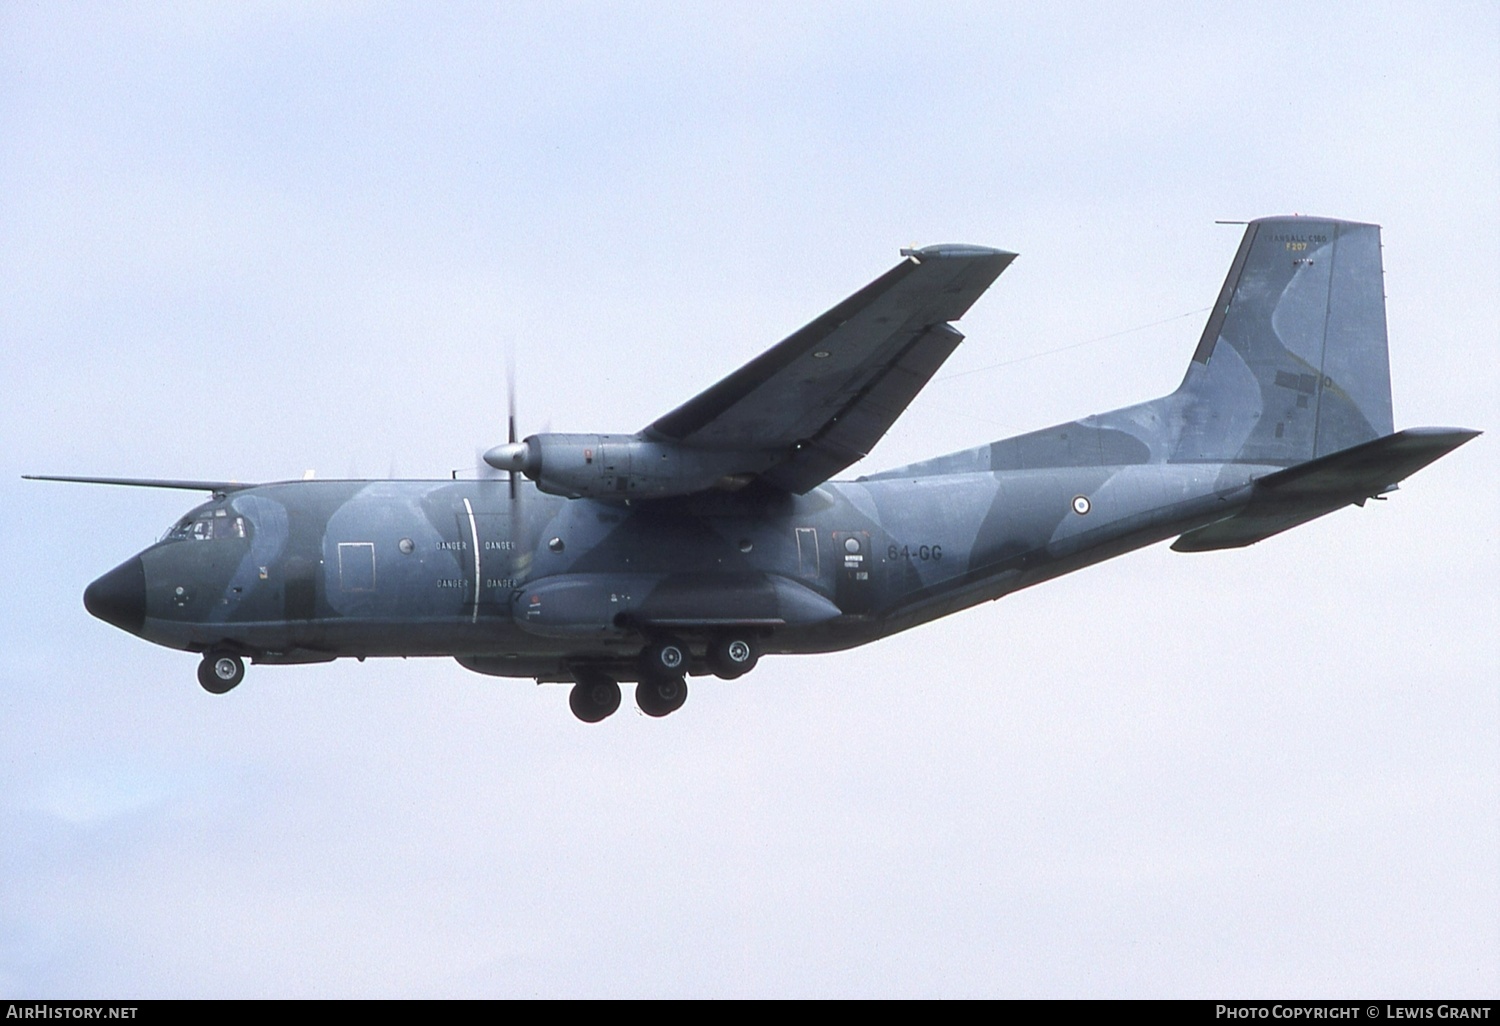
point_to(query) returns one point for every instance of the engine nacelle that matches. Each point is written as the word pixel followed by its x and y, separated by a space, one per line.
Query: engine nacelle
pixel 618 466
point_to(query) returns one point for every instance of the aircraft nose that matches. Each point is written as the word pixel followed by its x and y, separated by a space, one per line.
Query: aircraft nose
pixel 119 597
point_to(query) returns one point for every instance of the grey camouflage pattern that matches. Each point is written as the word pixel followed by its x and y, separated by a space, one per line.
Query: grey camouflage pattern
pixel 1284 414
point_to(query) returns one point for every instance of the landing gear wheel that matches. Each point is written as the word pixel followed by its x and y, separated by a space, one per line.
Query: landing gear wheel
pixel 732 656
pixel 660 696
pixel 219 672
pixel 665 657
pixel 594 697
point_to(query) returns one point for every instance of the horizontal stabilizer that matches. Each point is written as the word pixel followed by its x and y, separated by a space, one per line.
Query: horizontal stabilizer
pixel 1294 496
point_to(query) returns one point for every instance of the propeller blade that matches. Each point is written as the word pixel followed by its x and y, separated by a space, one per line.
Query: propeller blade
pixel 510 393
pixel 517 455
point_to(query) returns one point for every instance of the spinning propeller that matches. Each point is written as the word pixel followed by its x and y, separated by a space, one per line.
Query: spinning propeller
pixel 511 457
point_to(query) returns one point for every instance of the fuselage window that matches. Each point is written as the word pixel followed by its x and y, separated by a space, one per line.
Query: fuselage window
pixel 807 551
pixel 357 566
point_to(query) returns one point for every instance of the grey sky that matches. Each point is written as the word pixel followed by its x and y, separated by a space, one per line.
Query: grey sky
pixel 250 241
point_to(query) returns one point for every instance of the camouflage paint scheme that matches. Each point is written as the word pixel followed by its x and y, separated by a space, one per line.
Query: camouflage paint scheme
pixel 1284 415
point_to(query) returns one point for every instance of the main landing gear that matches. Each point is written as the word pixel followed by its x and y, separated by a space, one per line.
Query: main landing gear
pixel 665 657
pixel 220 672
pixel 729 656
pixel 660 696
pixel 594 697
pixel 662 672
pixel 663 685
pixel 732 656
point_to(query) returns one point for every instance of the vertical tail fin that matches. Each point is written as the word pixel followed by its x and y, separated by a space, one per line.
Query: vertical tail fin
pixel 1292 364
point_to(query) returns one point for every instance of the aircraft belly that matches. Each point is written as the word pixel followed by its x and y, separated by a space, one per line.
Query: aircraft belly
pixel 352 637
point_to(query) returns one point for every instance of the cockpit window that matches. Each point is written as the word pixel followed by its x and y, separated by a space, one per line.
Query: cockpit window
pixel 182 529
pixel 208 526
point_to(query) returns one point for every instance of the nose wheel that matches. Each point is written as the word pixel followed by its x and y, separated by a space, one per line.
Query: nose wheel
pixel 220 672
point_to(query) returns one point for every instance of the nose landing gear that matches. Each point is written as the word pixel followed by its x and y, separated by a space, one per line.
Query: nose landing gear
pixel 220 672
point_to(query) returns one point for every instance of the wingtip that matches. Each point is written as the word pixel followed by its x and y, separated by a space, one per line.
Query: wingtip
pixel 956 250
pixel 1457 435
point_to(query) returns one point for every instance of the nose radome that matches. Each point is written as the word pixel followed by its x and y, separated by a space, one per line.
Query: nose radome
pixel 119 597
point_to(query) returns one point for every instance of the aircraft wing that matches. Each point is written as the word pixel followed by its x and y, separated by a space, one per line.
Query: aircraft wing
pixel 821 398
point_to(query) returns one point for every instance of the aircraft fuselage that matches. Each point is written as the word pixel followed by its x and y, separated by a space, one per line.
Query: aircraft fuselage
pixel 311 570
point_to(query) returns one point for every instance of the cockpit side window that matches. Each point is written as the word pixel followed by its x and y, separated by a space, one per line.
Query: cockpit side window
pixel 182 529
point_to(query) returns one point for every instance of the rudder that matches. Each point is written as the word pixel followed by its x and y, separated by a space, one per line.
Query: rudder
pixel 1293 362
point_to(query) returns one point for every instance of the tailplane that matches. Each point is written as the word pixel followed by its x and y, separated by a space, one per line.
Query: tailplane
pixel 1294 496
pixel 1293 363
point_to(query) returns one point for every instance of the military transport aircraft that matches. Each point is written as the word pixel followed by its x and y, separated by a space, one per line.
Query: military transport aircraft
pixel 714 536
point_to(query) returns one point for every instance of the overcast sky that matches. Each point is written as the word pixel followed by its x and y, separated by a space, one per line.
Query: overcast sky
pixel 244 241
